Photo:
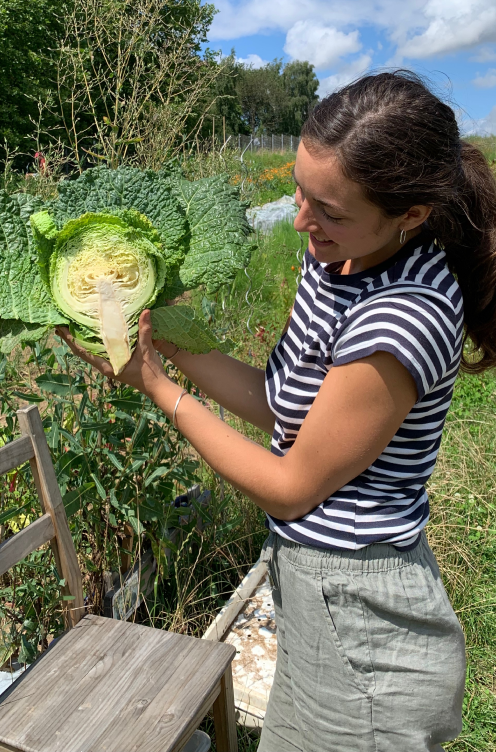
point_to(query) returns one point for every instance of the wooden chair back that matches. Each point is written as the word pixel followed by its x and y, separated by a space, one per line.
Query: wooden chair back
pixel 52 526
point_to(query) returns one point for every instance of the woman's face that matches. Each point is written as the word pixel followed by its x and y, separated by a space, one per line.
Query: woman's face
pixel 342 224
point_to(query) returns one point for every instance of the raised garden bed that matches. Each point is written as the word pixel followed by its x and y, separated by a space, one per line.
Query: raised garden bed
pixel 247 622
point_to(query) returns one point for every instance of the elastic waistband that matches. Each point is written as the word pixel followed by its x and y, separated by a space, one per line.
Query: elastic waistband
pixel 374 558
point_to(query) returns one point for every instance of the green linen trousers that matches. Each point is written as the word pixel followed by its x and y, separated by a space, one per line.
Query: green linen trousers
pixel 370 654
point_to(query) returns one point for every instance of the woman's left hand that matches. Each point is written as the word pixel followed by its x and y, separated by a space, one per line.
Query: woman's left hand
pixel 144 371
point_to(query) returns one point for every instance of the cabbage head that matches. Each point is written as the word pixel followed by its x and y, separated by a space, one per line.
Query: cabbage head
pixel 113 243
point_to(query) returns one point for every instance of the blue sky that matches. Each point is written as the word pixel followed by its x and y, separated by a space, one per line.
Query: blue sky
pixel 453 42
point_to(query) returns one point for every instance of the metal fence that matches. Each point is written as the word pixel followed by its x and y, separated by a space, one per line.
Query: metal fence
pixel 271 143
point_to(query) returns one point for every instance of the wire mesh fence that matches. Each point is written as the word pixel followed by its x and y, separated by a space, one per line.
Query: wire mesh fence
pixel 271 142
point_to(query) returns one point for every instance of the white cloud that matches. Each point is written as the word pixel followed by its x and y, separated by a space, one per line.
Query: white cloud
pixel 487 81
pixel 452 25
pixel 323 46
pixel 346 73
pixel 418 29
pixel 252 60
pixel 245 17
pixel 484 55
pixel 484 127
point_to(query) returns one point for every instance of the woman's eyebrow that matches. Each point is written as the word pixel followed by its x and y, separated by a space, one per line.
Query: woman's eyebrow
pixel 337 209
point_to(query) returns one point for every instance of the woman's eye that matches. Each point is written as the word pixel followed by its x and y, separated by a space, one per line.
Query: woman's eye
pixel 331 219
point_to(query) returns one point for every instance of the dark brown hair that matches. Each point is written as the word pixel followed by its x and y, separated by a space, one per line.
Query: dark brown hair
pixel 401 143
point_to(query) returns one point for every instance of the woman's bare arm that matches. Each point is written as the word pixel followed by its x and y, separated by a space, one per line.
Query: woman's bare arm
pixel 358 410
pixel 235 385
pixel 356 413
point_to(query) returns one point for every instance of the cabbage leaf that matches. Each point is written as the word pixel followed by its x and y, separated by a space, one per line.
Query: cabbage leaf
pixel 180 325
pixel 23 295
pixel 112 243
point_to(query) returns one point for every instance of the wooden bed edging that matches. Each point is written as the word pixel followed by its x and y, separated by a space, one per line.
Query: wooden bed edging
pixel 243 592
pixel 250 705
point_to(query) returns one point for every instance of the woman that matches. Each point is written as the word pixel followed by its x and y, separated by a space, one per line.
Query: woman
pixel 401 218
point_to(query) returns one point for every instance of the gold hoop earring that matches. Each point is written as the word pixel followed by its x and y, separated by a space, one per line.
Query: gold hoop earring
pixel 402 236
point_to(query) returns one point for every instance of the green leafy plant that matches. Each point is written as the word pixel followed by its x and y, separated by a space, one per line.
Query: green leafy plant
pixel 119 465
pixel 113 243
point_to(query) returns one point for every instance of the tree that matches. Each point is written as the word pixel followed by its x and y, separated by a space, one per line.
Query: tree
pixel 130 75
pixel 300 85
pixel 262 96
pixel 29 30
pixel 120 77
pixel 224 100
pixel 276 98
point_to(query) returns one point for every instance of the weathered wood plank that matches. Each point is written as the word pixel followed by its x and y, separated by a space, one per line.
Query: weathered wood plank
pixel 53 543
pixel 16 453
pixel 225 716
pixel 111 686
pixel 31 425
pixel 20 545
pixel 6 748
pixel 196 720
pixel 238 599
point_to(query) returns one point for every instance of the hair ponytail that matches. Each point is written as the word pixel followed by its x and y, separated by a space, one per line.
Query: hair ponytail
pixel 467 229
pixel 396 139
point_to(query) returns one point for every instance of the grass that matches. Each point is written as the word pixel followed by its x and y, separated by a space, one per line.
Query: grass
pixel 462 532
pixel 487 144
pixel 262 176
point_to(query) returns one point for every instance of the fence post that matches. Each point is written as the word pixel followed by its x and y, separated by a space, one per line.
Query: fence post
pixel 239 141
pixel 272 147
pixel 291 143
pixel 282 141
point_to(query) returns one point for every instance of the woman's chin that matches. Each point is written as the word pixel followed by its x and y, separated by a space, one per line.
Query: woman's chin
pixel 324 255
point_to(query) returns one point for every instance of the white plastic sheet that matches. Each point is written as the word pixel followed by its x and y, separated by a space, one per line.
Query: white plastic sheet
pixel 263 218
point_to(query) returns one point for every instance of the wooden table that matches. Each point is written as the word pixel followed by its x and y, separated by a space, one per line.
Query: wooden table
pixel 111 686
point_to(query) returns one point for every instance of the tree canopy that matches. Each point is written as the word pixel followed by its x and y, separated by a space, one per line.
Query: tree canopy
pixel 274 98
pixel 76 70
pixel 28 35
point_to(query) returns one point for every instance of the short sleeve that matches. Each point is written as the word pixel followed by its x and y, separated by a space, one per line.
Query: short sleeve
pixel 419 330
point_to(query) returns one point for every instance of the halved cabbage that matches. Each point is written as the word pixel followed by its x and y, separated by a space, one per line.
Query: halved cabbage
pixel 103 270
pixel 112 243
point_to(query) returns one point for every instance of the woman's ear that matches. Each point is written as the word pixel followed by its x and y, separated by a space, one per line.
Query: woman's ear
pixel 415 217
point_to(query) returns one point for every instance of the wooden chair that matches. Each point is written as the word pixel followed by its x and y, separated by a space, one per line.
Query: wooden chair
pixel 105 685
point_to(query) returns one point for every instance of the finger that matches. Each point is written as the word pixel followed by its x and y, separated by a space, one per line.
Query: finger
pixel 145 328
pixel 96 361
pixel 62 332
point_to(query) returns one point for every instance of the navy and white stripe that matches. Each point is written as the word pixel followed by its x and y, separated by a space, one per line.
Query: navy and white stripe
pixel 410 306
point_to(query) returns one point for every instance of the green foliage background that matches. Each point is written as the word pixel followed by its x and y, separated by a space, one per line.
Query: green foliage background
pixel 35 35
pixel 28 34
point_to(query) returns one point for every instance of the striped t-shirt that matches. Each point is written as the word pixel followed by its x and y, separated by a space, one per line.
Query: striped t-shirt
pixel 410 306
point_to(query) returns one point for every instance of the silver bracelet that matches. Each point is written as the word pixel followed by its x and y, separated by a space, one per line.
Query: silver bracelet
pixel 185 391
pixel 169 357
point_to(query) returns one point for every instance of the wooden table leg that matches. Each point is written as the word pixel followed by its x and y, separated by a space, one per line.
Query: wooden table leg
pixel 225 716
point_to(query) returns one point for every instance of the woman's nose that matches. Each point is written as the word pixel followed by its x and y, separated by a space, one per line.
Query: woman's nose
pixel 305 220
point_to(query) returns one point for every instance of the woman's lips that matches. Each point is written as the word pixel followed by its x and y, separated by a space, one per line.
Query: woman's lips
pixel 322 243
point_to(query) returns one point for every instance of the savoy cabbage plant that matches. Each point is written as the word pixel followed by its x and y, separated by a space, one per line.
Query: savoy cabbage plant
pixel 113 243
